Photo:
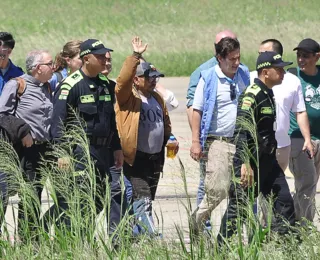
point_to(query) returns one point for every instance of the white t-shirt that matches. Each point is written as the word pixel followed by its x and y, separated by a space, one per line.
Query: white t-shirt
pixel 289 97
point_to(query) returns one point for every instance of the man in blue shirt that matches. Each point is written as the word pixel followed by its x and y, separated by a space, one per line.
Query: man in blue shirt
pixel 194 80
pixel 7 69
pixel 213 122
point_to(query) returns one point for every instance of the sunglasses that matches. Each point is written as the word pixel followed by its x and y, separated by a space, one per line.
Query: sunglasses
pixel 150 79
pixel 233 91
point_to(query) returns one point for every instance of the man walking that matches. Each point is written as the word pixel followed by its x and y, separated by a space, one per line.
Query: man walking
pixel 144 128
pixel 288 96
pixel 194 80
pixel 34 106
pixel 256 169
pixel 85 92
pixel 306 169
pixel 213 122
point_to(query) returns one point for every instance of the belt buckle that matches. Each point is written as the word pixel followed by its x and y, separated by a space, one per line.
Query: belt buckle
pixel 37 142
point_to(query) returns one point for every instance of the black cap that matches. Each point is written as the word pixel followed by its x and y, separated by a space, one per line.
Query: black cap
pixel 269 59
pixel 308 45
pixel 93 46
pixel 148 70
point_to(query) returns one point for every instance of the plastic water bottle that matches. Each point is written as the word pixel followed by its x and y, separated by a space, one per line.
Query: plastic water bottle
pixel 171 147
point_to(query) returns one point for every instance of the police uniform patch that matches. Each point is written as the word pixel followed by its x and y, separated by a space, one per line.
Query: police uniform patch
pixel 64 92
pixel 247 103
pixel 266 110
pixel 105 98
pixel 87 99
pixel 63 97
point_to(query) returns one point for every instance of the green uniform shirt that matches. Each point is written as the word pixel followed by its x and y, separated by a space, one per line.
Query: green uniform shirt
pixel 311 94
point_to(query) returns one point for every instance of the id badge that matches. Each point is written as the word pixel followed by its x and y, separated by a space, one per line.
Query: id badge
pixel 275 126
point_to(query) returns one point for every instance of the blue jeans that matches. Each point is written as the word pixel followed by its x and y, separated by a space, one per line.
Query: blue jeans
pixel 201 188
pixel 144 179
pixel 118 204
pixel 128 186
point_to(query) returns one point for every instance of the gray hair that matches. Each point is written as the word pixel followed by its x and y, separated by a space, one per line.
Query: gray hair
pixel 33 59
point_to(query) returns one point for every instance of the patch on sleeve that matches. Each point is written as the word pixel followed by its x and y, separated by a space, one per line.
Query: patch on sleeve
pixel 64 92
pixel 247 103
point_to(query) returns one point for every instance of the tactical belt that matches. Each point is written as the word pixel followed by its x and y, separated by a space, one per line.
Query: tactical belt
pixel 35 142
pixel 101 141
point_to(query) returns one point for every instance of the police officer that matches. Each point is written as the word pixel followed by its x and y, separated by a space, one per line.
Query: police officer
pixel 256 169
pixel 85 92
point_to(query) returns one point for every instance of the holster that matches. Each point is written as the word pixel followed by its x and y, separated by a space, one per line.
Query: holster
pixel 267 145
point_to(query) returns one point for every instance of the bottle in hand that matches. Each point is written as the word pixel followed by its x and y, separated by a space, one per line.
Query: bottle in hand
pixel 171 147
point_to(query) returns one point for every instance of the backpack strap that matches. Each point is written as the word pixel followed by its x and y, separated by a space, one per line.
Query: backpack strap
pixel 21 88
pixel 293 71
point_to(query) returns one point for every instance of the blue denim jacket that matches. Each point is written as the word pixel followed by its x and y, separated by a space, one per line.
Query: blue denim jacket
pixel 195 77
pixel 210 94
pixel 13 72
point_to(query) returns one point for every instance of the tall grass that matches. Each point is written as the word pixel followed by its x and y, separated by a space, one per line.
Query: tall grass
pixel 87 237
pixel 180 33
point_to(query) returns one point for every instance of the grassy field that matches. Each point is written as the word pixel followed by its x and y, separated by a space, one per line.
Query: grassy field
pixel 180 33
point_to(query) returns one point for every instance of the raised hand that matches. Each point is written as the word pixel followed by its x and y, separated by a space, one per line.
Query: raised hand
pixel 137 45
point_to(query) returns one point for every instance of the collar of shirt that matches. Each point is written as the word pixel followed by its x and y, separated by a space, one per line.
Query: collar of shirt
pixel 32 80
pixel 263 86
pixel 221 75
pixel 92 82
pixel 5 70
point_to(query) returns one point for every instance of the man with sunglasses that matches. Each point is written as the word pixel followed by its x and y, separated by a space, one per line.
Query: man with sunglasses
pixel 255 165
pixel 34 106
pixel 306 169
pixel 213 121
pixel 144 128
pixel 7 69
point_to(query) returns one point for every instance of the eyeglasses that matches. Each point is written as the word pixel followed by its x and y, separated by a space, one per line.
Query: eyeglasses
pixel 50 64
pixel 233 92
pixel 108 59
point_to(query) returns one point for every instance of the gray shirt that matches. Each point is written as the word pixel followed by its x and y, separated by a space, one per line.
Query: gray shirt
pixel 151 127
pixel 34 107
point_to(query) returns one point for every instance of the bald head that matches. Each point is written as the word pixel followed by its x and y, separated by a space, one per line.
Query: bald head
pixel 224 34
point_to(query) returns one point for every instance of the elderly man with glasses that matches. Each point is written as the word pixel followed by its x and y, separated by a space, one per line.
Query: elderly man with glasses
pixel 213 123
pixel 29 98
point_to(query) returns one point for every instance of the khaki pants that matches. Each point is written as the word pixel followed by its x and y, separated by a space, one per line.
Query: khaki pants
pixel 306 174
pixel 217 180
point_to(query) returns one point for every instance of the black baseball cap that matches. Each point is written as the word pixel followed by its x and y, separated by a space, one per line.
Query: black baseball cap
pixel 269 59
pixel 148 70
pixel 308 45
pixel 93 46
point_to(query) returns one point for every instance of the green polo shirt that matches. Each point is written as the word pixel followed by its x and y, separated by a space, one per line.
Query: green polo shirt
pixel 311 93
